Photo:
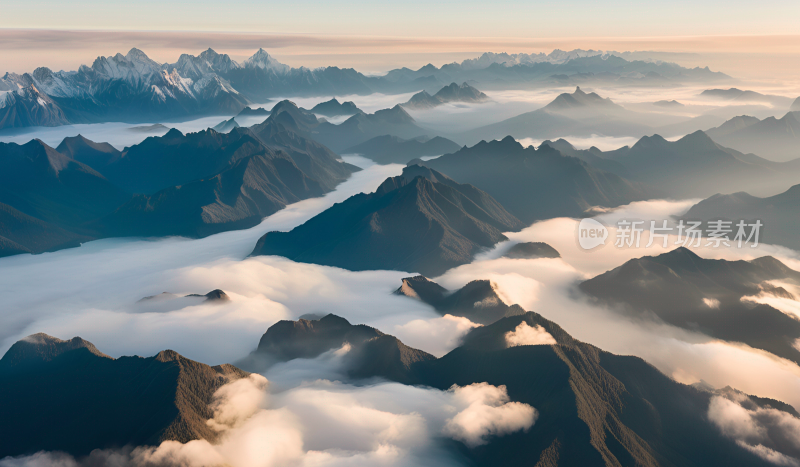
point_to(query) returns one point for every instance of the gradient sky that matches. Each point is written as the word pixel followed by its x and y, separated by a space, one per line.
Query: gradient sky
pixel 413 18
pixel 376 35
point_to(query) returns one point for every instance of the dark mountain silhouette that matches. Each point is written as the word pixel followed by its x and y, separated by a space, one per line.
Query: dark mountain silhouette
pixel 389 149
pixel 211 182
pixel 313 158
pixel 355 130
pixel 779 214
pixel 531 250
pixel 21 233
pixel 774 138
pixel 95 155
pixel 697 166
pixel 371 353
pixel 68 396
pixel 419 221
pixel 362 127
pixel 536 184
pixel 477 301
pixel 175 159
pixel 333 108
pixel 251 112
pixel 705 295
pixel 251 188
pixel 39 181
pixel 578 113
pixel 590 156
pixel 451 93
pixel 595 408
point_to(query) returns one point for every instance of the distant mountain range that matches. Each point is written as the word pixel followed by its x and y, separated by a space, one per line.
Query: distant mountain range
pixel 779 214
pixel 70 397
pixel 388 149
pixel 135 88
pixel 192 185
pixel 578 114
pixel 537 184
pixel 777 139
pixel 353 131
pixel 421 221
pixel 706 296
pixel 693 166
pixel 450 93
pixel 520 71
pixel 740 96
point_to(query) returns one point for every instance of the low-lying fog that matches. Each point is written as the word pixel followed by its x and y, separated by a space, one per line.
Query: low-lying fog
pixel 92 291
pixel 452 120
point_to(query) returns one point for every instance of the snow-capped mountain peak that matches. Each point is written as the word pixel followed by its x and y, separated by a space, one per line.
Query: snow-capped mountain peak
pixel 262 59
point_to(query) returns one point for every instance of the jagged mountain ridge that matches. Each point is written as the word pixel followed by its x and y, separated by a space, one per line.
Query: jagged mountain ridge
pixel 418 221
pixel 477 301
pixel 537 184
pixel 92 401
pixel 705 295
pixel 192 185
pixel 135 88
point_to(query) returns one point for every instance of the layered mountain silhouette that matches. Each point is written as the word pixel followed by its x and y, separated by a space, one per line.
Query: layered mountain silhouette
pixel 334 108
pixel 353 131
pixel 134 88
pixel 527 71
pixel 779 214
pixel 41 182
pixel 419 221
pixel 537 184
pixel 578 113
pixel 192 185
pixel 692 166
pixel 21 233
pixel 706 296
pixel 477 301
pixel 594 407
pixel 388 149
pixel 450 93
pixel 239 197
pixel 70 397
pixel 774 138
pixel 95 155
pixel 744 96
pixel 251 112
pixel 369 352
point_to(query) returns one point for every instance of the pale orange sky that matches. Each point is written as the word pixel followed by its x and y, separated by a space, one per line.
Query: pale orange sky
pixel 747 57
